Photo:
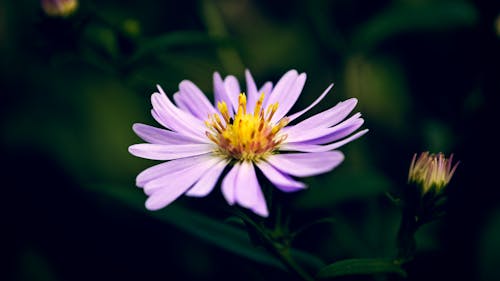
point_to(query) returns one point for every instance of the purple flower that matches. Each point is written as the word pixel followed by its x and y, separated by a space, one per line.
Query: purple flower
pixel 245 132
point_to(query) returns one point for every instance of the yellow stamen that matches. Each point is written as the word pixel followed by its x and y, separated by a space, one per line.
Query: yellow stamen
pixel 247 136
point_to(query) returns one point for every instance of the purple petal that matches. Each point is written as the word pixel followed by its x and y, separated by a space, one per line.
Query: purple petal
pixel 220 92
pixel 188 175
pixel 267 88
pixel 289 97
pixel 229 184
pixel 306 164
pixel 252 94
pixel 328 117
pixel 167 168
pixel 233 91
pixel 300 113
pixel 340 132
pixel 246 185
pixel 295 134
pixel 281 88
pixel 169 151
pixel 261 207
pixel 304 147
pixel 248 193
pixel 195 100
pixel 166 189
pixel 280 180
pixel 160 136
pixel 170 116
pixel 181 102
pixel 207 182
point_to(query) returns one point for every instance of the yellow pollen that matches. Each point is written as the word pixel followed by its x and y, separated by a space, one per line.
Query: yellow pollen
pixel 246 136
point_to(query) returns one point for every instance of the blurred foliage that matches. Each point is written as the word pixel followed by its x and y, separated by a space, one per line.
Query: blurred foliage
pixel 425 74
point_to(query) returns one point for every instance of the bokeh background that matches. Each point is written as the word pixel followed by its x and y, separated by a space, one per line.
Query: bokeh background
pixel 426 74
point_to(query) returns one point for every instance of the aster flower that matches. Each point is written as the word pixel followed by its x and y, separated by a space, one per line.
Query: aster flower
pixel 431 171
pixel 243 132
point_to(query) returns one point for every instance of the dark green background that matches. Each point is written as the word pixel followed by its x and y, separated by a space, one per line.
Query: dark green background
pixel 426 74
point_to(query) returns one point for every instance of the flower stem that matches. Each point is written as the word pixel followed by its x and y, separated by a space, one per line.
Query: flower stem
pixel 278 249
pixel 406 237
pixel 287 259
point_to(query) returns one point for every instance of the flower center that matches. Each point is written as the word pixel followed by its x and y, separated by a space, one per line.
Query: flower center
pixel 249 136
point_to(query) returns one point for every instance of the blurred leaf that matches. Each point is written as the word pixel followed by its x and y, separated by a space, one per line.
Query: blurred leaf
pixel 431 16
pixel 178 39
pixel 360 267
pixel 227 237
pixel 342 187
pixel 438 136
pixel 489 248
pixel 102 40
pixel 34 266
pixel 380 85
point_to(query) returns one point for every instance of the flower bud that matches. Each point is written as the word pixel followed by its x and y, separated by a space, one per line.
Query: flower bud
pixel 431 172
pixel 59 8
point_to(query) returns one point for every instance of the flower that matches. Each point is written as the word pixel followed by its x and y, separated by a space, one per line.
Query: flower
pixel 243 131
pixel 59 8
pixel 431 172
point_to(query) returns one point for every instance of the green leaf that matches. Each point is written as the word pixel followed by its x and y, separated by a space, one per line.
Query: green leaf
pixel 419 17
pixel 171 40
pixel 225 236
pixel 341 187
pixel 361 267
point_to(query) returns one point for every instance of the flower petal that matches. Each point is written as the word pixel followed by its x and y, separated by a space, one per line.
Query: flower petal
pixel 168 168
pixel 170 116
pixel 305 147
pixel 280 90
pixel 267 88
pixel 298 135
pixel 169 151
pixel 160 136
pixel 166 189
pixel 229 184
pixel 261 207
pixel 246 185
pixel 328 117
pixel 342 130
pixel 233 90
pixel 300 113
pixel 207 182
pixel 289 97
pixel 252 94
pixel 187 176
pixel 248 193
pixel 220 92
pixel 195 100
pixel 306 164
pixel 280 180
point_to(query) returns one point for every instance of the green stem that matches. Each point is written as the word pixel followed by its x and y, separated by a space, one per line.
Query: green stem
pixel 280 251
pixel 406 237
pixel 287 259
